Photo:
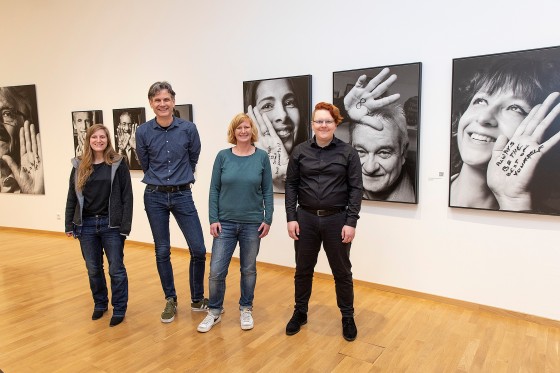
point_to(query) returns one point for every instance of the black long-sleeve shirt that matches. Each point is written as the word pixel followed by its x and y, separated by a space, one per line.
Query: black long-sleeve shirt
pixel 324 179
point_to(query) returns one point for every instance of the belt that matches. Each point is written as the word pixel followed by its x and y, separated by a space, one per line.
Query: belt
pixel 169 188
pixel 324 212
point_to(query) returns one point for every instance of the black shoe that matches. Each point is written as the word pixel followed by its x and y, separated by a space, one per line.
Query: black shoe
pixel 97 314
pixel 349 330
pixel 294 325
pixel 116 320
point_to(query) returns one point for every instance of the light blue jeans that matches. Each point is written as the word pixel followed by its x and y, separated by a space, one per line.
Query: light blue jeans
pixel 247 235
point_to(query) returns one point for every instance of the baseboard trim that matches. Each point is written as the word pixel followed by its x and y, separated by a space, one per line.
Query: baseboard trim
pixel 391 289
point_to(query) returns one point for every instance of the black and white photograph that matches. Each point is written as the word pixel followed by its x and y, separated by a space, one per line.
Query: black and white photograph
pixel 504 150
pixel 381 110
pixel 21 158
pixel 126 121
pixel 280 109
pixel 81 121
pixel 183 111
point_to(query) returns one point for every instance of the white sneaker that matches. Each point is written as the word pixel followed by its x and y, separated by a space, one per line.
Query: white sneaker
pixel 208 322
pixel 246 319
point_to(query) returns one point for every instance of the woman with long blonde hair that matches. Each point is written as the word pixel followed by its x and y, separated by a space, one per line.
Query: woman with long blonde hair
pixel 99 214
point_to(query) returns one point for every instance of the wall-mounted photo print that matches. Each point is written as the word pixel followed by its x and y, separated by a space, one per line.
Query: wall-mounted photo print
pixel 81 121
pixel 21 168
pixel 381 110
pixel 505 135
pixel 184 112
pixel 126 121
pixel 280 108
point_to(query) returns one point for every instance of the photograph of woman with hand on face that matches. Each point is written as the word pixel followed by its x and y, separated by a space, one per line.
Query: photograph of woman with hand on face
pixel 280 110
pixel 505 132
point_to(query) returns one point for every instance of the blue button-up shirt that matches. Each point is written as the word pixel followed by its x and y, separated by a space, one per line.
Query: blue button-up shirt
pixel 169 155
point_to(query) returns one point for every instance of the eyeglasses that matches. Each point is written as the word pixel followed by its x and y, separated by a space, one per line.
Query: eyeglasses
pixel 124 127
pixel 8 116
pixel 319 122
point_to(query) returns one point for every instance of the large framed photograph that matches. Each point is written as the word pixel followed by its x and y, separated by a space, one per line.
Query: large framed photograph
pixel 381 110
pixel 81 121
pixel 505 132
pixel 21 158
pixel 280 108
pixel 125 123
pixel 184 112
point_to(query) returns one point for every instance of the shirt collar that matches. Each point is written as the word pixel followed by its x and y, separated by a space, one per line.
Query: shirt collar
pixel 173 123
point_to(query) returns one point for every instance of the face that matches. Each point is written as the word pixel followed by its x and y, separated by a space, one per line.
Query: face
pixel 323 126
pixel 243 132
pixel 98 141
pixel 124 130
pixel 12 120
pixel 276 100
pixel 162 104
pixel 486 118
pixel 82 121
pixel 380 154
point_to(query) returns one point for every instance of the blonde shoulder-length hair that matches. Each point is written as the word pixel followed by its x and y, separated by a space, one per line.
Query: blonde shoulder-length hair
pixel 235 122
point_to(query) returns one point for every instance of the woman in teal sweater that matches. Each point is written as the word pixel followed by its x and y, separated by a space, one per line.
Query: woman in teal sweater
pixel 241 207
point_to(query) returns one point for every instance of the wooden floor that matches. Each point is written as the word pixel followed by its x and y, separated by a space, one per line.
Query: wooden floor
pixel 46 326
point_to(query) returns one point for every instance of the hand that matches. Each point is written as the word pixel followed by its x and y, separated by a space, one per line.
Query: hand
pixel 132 141
pixel 264 228
pixel 215 229
pixel 271 143
pixel 29 175
pixel 123 138
pixel 348 234
pixel 363 100
pixel 293 230
pixel 513 163
pixel 69 234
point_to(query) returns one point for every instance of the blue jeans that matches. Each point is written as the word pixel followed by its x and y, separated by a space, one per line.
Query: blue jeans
pixel 158 207
pixel 247 235
pixel 96 237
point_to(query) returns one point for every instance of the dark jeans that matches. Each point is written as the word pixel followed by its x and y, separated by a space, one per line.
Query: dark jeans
pixel 315 230
pixel 96 237
pixel 158 207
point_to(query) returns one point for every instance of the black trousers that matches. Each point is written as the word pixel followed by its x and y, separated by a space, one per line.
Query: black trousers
pixel 326 230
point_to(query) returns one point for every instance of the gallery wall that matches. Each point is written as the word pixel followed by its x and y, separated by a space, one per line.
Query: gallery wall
pixel 105 54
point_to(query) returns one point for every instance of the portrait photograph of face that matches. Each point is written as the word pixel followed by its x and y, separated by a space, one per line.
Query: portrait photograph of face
pixel 183 111
pixel 125 122
pixel 381 110
pixel 21 158
pixel 81 121
pixel 504 155
pixel 280 109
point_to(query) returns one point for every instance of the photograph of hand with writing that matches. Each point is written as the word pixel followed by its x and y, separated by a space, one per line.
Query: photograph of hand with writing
pixel 280 108
pixel 381 110
pixel 505 134
pixel 21 158
pixel 126 121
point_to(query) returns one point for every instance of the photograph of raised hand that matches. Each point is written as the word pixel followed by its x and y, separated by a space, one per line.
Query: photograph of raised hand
pixel 280 110
pixel 126 121
pixel 81 121
pixel 381 121
pixel 506 132
pixel 21 165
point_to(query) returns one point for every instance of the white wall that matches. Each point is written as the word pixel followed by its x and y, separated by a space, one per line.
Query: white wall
pixel 104 55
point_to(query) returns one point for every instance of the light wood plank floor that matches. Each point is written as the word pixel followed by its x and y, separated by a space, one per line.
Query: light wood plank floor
pixel 45 325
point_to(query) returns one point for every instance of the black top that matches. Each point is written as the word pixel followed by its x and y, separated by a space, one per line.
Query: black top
pixel 97 191
pixel 324 178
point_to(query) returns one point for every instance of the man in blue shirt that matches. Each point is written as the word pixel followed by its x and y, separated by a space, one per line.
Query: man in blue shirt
pixel 168 149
